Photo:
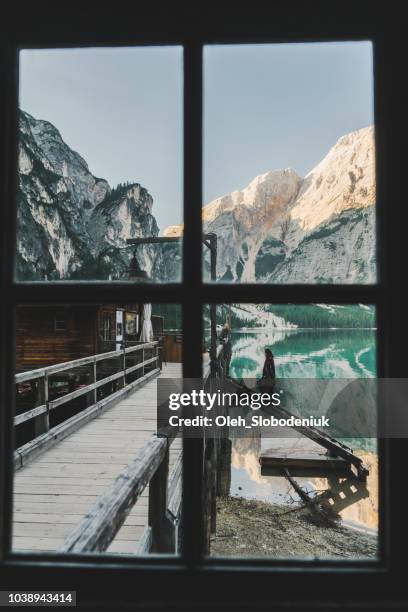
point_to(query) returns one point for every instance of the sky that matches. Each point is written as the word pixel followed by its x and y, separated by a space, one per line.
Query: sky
pixel 265 107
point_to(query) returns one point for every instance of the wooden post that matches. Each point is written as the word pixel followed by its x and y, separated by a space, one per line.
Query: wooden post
pixel 214 458
pixel 143 358
pixel 212 242
pixel 224 468
pixel 213 347
pixel 92 395
pixel 123 368
pixel 159 360
pixel 163 531
pixel 207 495
pixel 95 392
pixel 213 444
pixel 42 422
pixel 213 255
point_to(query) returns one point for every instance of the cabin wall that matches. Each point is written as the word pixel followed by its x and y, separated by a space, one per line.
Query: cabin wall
pixel 88 330
pixel 173 347
pixel 39 343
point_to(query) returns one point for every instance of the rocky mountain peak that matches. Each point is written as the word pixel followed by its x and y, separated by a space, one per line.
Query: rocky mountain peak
pixel 344 179
pixel 280 228
pixel 173 231
pixel 67 217
pixel 264 192
pixel 284 228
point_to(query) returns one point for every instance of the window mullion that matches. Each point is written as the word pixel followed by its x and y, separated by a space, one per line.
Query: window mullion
pixel 192 291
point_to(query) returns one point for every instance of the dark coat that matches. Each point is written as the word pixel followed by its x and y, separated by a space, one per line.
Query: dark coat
pixel 269 368
pixel 225 339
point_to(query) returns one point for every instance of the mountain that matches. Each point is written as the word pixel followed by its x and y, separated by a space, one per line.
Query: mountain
pixel 293 316
pixel 331 235
pixel 286 229
pixel 72 224
pixel 281 228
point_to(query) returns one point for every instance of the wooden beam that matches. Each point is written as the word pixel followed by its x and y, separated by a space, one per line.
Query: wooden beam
pixel 107 515
pixel 138 366
pixel 26 453
pixel 68 365
pixel 29 414
pixel 163 530
pixel 278 458
pixel 138 347
pixel 78 392
pixel 323 439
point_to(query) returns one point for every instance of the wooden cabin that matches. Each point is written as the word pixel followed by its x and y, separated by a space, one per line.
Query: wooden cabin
pixel 46 335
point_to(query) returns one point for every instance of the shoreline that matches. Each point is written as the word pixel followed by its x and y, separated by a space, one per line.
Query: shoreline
pixel 255 528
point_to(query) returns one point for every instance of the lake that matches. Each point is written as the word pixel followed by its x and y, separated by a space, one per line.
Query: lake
pixel 309 354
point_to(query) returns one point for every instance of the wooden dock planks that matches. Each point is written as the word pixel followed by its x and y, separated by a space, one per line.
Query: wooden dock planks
pixel 304 457
pixel 53 493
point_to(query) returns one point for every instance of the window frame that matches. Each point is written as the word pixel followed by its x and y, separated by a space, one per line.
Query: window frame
pixel 180 578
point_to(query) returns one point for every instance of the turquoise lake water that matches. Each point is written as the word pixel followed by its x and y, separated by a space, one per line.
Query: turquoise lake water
pixel 306 353
pixel 300 354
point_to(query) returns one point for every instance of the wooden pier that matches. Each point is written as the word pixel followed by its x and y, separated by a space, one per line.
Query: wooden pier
pixel 301 455
pixel 102 480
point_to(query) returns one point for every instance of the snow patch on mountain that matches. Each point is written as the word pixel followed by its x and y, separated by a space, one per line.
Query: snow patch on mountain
pixel 258 315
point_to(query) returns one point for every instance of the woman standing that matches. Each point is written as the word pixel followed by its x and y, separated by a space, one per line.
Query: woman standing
pixel 267 381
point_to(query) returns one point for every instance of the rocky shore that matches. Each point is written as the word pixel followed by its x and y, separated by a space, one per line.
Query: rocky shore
pixel 255 528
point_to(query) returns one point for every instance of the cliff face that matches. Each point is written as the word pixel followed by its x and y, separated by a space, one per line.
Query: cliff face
pixel 71 224
pixel 286 229
pixel 242 220
pixel 281 228
pixel 331 235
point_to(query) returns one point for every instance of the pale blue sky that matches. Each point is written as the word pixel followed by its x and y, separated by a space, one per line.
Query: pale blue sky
pixel 121 109
pixel 266 107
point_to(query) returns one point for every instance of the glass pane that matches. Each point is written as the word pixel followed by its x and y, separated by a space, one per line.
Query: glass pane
pixel 289 163
pixel 285 491
pixel 91 475
pixel 100 163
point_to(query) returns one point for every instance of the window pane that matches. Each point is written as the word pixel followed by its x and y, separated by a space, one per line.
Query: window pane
pixel 283 492
pixel 289 162
pixel 100 162
pixel 91 475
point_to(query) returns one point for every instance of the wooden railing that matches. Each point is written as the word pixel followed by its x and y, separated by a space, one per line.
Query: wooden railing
pixel 44 434
pixel 99 527
pixel 101 524
pixel 150 467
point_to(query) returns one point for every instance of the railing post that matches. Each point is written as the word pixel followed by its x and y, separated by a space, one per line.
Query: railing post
pixel 91 397
pixel 123 366
pixel 143 358
pixel 42 422
pixel 213 346
pixel 224 468
pixel 207 476
pixel 95 391
pixel 158 359
pixel 163 531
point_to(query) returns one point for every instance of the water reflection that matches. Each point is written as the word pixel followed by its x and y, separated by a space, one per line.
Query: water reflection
pixel 304 353
pixel 345 355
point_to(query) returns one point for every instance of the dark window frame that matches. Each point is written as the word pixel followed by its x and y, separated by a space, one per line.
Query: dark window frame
pixel 180 579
